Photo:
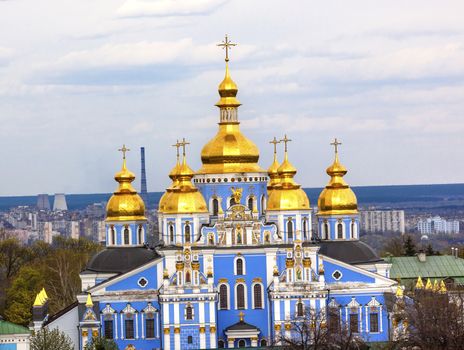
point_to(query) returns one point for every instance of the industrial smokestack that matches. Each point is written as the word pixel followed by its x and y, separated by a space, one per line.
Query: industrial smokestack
pixel 143 178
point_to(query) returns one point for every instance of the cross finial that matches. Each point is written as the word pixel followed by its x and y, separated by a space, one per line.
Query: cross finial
pixel 226 44
pixel 275 142
pixel 285 140
pixel 124 150
pixel 183 143
pixel 177 145
pixel 241 315
pixel 336 143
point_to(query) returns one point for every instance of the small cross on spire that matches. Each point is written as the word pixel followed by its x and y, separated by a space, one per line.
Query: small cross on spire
pixel 124 150
pixel 241 315
pixel 336 143
pixel 285 140
pixel 177 145
pixel 226 44
pixel 275 142
pixel 183 143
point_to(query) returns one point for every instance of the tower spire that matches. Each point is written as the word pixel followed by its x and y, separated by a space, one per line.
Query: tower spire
pixel 226 44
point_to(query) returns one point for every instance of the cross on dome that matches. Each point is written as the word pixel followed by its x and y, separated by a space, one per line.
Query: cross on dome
pixel 182 144
pixel 241 315
pixel 275 142
pixel 336 143
pixel 285 140
pixel 124 150
pixel 226 44
pixel 177 145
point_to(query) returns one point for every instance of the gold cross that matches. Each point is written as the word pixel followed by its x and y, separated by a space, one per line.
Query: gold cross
pixel 226 44
pixel 336 144
pixel 123 150
pixel 285 140
pixel 183 144
pixel 241 315
pixel 177 145
pixel 275 142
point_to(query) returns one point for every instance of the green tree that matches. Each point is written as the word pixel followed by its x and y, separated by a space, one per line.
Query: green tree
pixel 429 250
pixel 12 256
pixel 54 339
pixel 409 246
pixel 100 343
pixel 393 247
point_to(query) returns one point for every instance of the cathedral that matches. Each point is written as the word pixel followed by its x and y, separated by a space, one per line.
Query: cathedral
pixel 239 260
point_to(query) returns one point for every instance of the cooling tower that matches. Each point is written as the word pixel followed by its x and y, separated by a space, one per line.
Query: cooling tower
pixel 60 202
pixel 43 202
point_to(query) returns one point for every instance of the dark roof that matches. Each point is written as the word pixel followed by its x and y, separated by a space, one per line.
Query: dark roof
pixel 120 260
pixel 242 326
pixel 350 252
pixel 61 313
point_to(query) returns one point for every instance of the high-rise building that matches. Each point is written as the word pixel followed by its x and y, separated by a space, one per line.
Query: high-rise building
pixel 382 221
pixel 43 202
pixel 59 204
pixel 437 224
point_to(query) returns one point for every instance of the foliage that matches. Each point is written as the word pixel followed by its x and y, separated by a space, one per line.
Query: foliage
pixel 12 256
pixel 100 343
pixel 409 246
pixel 46 339
pixel 393 247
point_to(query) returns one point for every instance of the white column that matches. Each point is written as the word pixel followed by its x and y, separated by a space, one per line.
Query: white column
pixel 201 317
pixel 230 343
pixel 287 311
pixel 276 310
pixel 142 325
pixel 212 313
pixel 136 315
pixel 167 341
pixel 254 342
pixel 366 308
pixel 360 313
pixel 167 337
pixel 176 324
pixel 122 326
pixel 380 321
pixel 116 326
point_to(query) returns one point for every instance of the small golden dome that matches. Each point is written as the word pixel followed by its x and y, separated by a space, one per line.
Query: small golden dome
pixel 183 196
pixel 125 204
pixel 288 195
pixel 228 91
pixel 273 171
pixel 337 198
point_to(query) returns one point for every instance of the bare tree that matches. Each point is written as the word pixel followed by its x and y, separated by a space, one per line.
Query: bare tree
pixel 315 330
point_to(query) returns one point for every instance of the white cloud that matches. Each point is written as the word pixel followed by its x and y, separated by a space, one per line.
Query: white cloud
pixel 134 8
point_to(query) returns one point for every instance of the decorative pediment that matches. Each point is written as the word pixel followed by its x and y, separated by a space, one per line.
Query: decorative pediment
pixel 333 303
pixel 353 303
pixel 373 303
pixel 108 310
pixel 129 309
pixel 89 315
pixel 150 308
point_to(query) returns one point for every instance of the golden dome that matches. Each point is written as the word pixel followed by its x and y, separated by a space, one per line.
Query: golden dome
pixel 173 175
pixel 125 204
pixel 229 151
pixel 337 198
pixel 273 171
pixel 288 195
pixel 183 196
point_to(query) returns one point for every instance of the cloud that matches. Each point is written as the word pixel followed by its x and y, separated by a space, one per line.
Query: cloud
pixel 141 8
pixel 6 54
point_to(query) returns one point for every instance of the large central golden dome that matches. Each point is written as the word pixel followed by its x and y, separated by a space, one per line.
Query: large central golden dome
pixel 229 151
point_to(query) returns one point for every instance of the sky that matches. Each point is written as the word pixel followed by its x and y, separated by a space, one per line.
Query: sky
pixel 80 78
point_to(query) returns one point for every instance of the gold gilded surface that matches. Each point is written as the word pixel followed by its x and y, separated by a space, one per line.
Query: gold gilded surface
pixel 337 198
pixel 125 204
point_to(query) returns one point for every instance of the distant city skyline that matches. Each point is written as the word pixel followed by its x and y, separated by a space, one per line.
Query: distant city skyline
pixel 77 81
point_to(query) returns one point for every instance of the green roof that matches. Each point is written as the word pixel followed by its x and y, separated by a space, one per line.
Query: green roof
pixel 440 266
pixel 11 328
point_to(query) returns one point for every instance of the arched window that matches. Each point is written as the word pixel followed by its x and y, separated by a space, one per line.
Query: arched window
pixel 339 230
pixel 299 309
pixel 240 296
pixel 189 339
pixel 171 233
pixel 140 234
pixel 325 230
pixel 215 207
pixel 305 229
pixel 250 203
pixel 241 343
pixel 353 228
pixel 257 296
pixel 221 344
pixel 113 235
pixel 223 297
pixel 263 343
pixel 263 204
pixel 239 266
pixel 232 202
pixel 289 230
pixel 187 277
pixel 189 313
pixel 126 235
pixel 187 233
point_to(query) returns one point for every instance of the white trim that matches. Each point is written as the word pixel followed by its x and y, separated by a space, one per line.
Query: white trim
pixel 339 278
pixel 243 265
pixel 228 296
pixel 245 292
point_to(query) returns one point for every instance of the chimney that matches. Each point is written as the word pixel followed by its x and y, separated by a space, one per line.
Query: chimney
pixel 421 256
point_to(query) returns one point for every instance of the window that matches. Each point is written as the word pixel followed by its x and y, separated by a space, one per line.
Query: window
pixel 239 266
pixel 187 233
pixel 258 296
pixel 223 297
pixel 241 343
pixel 129 325
pixel 250 203
pixel 263 204
pixel 340 230
pixel 108 329
pixel 187 277
pixel 140 234
pixel 325 231
pixel 189 339
pixel 374 322
pixel 305 229
pixel 189 313
pixel 232 202
pixel 150 328
pixel 263 343
pixel 353 228
pixel 215 207
pixel 289 230
pixel 334 320
pixel 354 323
pixel 300 309
pixel 240 296
pixel 171 233
pixel 126 235
pixel 221 344
pixel 113 235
